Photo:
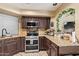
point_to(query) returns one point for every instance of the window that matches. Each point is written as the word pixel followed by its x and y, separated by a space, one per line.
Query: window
pixel 10 23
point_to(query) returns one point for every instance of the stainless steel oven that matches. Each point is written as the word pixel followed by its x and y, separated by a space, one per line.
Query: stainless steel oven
pixel 31 43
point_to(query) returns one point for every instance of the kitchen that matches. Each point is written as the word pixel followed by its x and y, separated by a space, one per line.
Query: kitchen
pixel 40 29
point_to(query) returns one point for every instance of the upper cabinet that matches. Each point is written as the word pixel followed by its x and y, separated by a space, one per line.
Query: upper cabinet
pixel 44 22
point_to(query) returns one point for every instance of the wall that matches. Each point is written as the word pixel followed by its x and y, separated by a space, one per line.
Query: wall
pixel 10 23
pixel 76 7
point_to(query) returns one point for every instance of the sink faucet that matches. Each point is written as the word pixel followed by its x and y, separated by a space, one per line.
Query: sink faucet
pixel 3 32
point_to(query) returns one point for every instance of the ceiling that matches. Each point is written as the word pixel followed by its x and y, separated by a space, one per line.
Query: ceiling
pixel 31 6
pixel 19 7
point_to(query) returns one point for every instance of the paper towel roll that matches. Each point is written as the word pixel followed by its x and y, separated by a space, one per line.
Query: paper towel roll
pixel 73 37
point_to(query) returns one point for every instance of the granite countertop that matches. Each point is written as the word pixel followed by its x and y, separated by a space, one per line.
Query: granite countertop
pixel 55 39
pixel 60 42
pixel 14 36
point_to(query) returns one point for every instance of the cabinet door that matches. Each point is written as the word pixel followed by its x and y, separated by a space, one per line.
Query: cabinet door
pixel 53 50
pixel 41 43
pixel 10 47
pixel 23 22
pixel 47 45
pixel 22 44
pixel 44 23
pixel 1 48
pixel 18 44
pixel 48 51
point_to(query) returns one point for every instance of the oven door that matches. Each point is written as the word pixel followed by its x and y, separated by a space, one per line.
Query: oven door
pixel 35 42
pixel 27 42
pixel 32 47
pixel 31 42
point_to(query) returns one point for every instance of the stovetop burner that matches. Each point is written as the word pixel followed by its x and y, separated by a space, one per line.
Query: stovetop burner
pixel 32 34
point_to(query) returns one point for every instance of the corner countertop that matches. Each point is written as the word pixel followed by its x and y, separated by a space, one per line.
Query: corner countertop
pixel 60 42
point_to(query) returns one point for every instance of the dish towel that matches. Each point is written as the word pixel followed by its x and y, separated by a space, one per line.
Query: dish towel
pixel 74 40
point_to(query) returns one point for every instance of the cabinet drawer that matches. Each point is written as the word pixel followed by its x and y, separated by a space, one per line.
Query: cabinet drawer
pixel 9 40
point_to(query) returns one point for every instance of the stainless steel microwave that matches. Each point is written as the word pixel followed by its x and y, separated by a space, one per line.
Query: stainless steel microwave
pixel 32 24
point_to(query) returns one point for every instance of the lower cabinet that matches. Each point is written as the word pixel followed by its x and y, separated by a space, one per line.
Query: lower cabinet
pixel 1 53
pixel 48 50
pixel 53 51
pixel 50 47
pixel 42 43
pixel 18 40
pixel 22 44
pixel 10 46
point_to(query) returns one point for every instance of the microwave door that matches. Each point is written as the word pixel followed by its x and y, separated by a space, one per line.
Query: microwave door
pixel 31 24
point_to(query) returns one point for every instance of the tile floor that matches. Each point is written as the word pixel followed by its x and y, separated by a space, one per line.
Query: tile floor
pixel 40 53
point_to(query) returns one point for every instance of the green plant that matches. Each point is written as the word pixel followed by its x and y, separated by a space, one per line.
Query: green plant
pixel 69 10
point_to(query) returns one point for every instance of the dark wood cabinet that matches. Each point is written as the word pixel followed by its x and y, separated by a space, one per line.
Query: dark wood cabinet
pixel 10 46
pixel 45 44
pixel 44 22
pixel 22 44
pixel 51 48
pixel 18 39
pixel 1 53
pixel 23 22
pixel 48 46
pixel 54 50
pixel 42 43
